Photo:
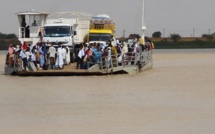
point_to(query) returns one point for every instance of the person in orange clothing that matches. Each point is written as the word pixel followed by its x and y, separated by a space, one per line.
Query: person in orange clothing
pixel 37 53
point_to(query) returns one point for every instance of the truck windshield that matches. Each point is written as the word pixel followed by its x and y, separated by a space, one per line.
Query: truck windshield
pixel 100 37
pixel 56 31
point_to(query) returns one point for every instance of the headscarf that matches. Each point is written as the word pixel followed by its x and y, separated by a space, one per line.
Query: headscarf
pixel 10 49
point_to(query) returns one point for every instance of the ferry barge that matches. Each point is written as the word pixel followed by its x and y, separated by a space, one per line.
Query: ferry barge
pixel 130 62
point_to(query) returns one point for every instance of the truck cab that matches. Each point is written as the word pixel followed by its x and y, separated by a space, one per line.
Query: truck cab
pixel 102 28
pixel 68 28
pixel 58 33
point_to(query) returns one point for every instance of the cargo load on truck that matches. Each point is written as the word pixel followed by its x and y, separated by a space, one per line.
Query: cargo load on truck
pixel 102 29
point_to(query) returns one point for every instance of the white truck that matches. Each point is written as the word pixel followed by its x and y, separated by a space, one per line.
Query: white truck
pixel 69 28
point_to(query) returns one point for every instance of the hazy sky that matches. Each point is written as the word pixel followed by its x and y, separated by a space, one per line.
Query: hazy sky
pixel 184 17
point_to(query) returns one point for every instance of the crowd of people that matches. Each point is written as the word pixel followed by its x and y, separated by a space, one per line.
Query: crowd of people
pixel 43 56
pixel 111 53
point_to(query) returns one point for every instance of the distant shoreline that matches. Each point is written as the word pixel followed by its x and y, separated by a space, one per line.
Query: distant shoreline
pixel 185 45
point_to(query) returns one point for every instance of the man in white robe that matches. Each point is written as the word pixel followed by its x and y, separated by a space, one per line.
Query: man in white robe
pixel 113 41
pixel 64 54
pixel 59 60
pixel 109 58
pixel 136 52
pixel 67 55
pixel 124 52
pixel 125 48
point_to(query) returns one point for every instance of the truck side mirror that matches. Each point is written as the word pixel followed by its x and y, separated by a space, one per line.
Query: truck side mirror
pixel 74 33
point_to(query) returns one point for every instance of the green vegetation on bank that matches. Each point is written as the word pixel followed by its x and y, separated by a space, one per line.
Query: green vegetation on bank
pixel 7 36
pixel 4 43
pixel 175 41
pixel 183 44
pixel 6 39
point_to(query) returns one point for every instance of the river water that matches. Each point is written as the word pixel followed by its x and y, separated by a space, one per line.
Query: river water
pixel 177 96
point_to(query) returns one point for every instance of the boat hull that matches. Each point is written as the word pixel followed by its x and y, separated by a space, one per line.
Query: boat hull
pixel 137 65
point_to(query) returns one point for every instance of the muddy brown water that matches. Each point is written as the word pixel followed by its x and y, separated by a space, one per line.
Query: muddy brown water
pixel 177 96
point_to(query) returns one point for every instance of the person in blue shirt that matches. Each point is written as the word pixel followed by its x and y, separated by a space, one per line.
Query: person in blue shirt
pixel 42 59
pixel 97 54
pixel 44 51
pixel 24 58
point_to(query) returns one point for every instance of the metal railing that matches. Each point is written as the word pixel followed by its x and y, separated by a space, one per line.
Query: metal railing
pixel 124 60
pixel 16 63
pixel 33 32
pixel 21 32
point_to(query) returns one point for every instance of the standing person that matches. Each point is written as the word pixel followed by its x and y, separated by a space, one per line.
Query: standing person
pixel 95 55
pixel 136 53
pixel 142 44
pixel 10 51
pixel 24 58
pixel 125 48
pixel 136 48
pixel 104 57
pixel 89 53
pixel 114 55
pixel 119 49
pixel 33 57
pixel 80 57
pixel 119 53
pixel 52 52
pixel 64 54
pixel 16 55
pixel 37 53
pixel 151 45
pixel 28 53
pixel 24 46
pixel 27 32
pixel 59 60
pixel 124 52
pixel 109 57
pixel 44 51
pixel 42 59
pixel 67 55
pixel 113 41
pixel 87 58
